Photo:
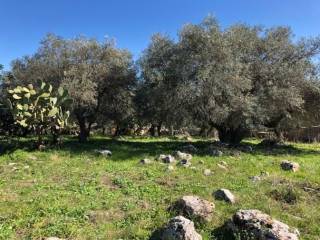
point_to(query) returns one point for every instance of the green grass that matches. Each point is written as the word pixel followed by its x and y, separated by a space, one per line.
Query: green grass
pixel 73 193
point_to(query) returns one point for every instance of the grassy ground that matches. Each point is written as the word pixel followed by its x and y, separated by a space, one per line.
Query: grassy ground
pixel 72 193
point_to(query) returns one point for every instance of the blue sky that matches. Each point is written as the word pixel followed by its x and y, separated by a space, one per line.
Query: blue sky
pixel 131 22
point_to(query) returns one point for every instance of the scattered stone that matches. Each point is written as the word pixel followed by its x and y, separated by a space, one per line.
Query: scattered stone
pixel 259 177
pixel 222 166
pixel 166 158
pixel 26 167
pixel 225 195
pixel 105 153
pixel 261 226
pixel 189 148
pixel 207 172
pixel 289 166
pixel 185 163
pixel 180 228
pixel 193 168
pixel 145 161
pixel 215 153
pixel 194 207
pixel 224 163
pixel 12 164
pixel 181 155
pixel 41 147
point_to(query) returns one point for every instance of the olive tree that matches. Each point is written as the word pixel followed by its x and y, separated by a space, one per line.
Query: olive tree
pixel 234 79
pixel 157 95
pixel 98 76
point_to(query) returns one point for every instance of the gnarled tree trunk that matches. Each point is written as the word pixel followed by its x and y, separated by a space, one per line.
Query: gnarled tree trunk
pixel 231 135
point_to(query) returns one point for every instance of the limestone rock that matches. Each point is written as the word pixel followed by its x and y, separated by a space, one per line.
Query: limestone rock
pixel 166 158
pixel 181 155
pixel 289 166
pixel 195 207
pixel 145 161
pixel 225 195
pixel 261 226
pixel 180 228
pixel 207 172
pixel 185 163
pixel 105 153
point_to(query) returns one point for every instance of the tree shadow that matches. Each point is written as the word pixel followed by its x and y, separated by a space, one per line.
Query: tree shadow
pixel 126 149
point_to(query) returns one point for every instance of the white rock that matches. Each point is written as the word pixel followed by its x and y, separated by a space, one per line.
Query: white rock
pixel 207 172
pixel 225 194
pixel 105 153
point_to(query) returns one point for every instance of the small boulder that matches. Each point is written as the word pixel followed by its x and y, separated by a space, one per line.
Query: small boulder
pixel 185 163
pixel 145 161
pixel 180 228
pixel 261 226
pixel 166 158
pixel 105 153
pixel 207 172
pixel 222 166
pixel 181 155
pixel 225 195
pixel 289 166
pixel 195 207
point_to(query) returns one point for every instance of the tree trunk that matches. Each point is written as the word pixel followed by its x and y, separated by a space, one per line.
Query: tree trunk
pixel 152 130
pixel 171 130
pixel 84 130
pixel 159 129
pixel 230 135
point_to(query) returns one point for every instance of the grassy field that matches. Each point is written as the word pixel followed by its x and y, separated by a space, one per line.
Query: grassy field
pixel 72 193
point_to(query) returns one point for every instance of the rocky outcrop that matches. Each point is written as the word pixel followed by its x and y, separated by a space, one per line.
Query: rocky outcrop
pixel 166 158
pixel 195 207
pixel 261 226
pixel 180 228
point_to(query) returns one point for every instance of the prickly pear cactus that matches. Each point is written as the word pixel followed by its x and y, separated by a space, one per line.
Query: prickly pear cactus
pixel 40 110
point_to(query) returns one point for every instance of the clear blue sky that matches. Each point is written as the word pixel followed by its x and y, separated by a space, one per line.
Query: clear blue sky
pixel 25 22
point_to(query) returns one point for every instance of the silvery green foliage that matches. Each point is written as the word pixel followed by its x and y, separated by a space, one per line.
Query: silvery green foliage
pixel 234 79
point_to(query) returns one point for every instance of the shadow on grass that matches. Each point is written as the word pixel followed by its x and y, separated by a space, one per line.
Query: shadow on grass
pixel 126 149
